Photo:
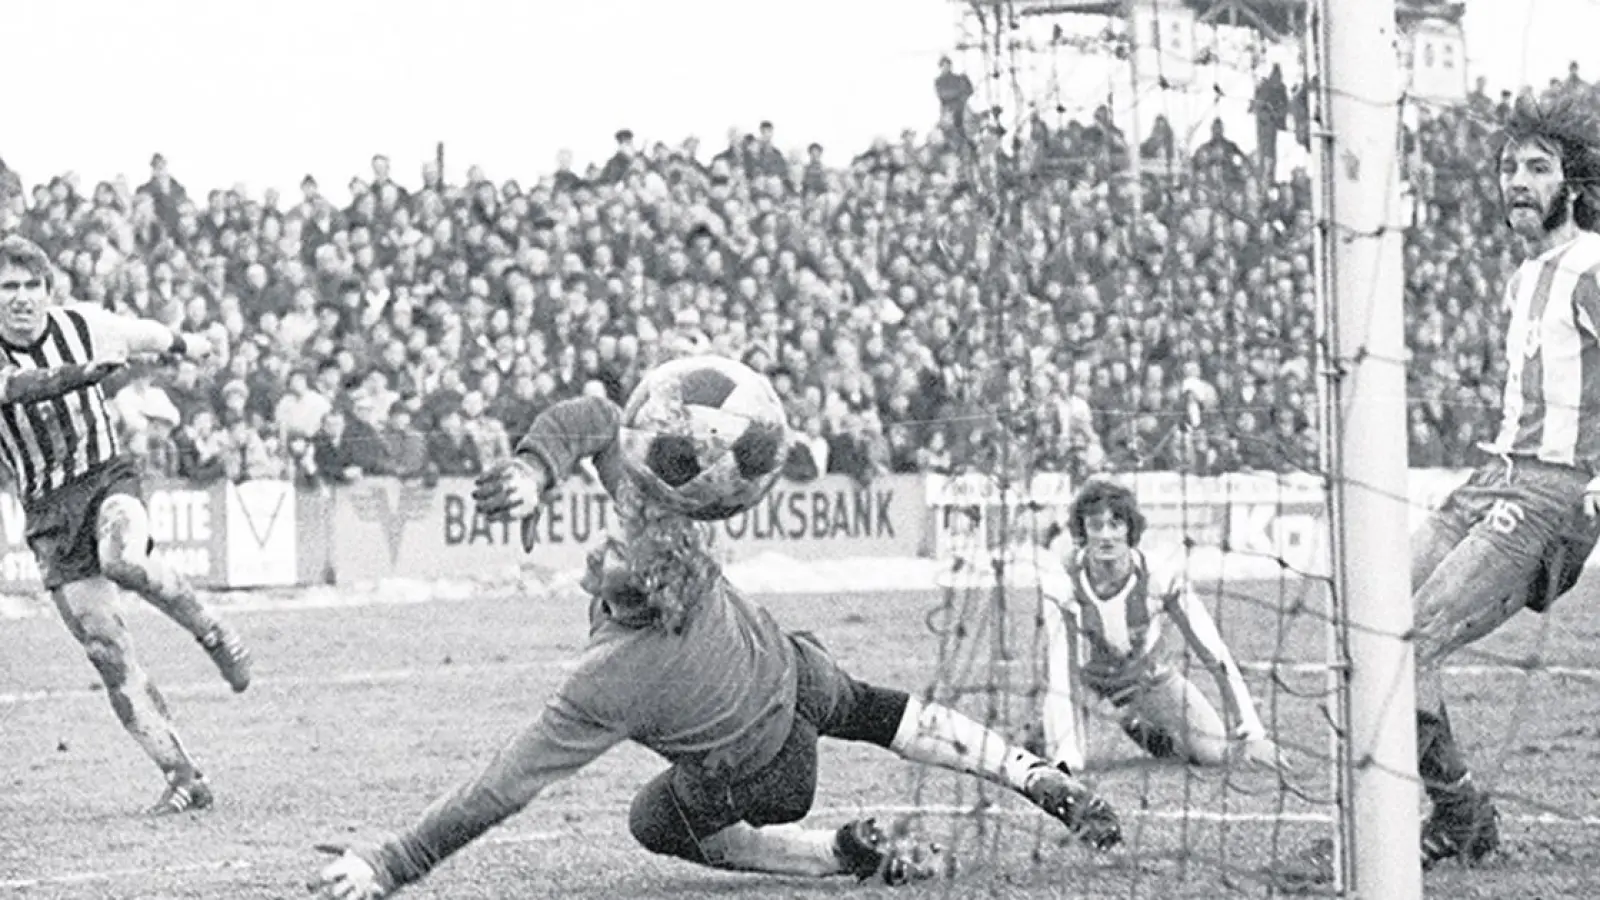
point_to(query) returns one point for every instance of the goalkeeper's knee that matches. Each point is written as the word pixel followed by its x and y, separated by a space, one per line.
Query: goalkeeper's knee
pixel 659 822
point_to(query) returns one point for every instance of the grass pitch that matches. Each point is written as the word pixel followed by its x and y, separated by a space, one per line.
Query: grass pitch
pixel 362 713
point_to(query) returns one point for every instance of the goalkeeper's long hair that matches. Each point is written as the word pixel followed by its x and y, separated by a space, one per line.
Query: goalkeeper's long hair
pixel 1567 124
pixel 669 557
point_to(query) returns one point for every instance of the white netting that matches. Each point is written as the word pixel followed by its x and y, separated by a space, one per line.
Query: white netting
pixel 1204 347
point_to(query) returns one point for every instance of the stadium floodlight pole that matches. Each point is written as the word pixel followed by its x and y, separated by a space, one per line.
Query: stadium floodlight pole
pixel 1360 94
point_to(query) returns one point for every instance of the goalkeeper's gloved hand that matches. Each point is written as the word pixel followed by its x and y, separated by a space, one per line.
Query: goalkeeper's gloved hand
pixel 513 488
pixel 349 877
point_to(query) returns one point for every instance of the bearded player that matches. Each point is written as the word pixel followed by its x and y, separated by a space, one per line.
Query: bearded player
pixel 1517 532
pixel 680 662
pixel 83 499
pixel 1120 604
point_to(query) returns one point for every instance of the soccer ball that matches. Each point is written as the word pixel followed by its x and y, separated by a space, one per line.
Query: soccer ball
pixel 704 436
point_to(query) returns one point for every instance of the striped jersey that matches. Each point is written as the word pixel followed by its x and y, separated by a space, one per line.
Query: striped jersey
pixel 1123 631
pixel 1551 406
pixel 48 443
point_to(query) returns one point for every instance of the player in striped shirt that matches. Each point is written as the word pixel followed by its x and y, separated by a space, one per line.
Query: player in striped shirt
pixel 1517 532
pixel 1120 604
pixel 1514 534
pixel 82 497
pixel 680 662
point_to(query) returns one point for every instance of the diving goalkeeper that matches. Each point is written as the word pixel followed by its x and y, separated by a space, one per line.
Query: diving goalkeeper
pixel 680 662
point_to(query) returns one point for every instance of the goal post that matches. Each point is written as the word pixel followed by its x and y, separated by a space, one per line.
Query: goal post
pixel 1365 431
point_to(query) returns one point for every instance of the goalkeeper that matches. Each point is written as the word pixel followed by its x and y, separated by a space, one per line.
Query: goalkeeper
pixel 1118 603
pixel 680 662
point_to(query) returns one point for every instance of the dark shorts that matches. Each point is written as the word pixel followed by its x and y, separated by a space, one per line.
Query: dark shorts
pixel 1563 565
pixel 1523 506
pixel 678 806
pixel 62 524
pixel 1528 510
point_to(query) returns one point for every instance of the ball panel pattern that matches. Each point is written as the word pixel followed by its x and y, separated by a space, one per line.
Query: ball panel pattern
pixel 756 452
pixel 753 400
pixel 705 387
pixel 704 436
pixel 674 458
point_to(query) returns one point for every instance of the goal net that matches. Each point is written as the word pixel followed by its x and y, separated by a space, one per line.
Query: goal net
pixel 1171 339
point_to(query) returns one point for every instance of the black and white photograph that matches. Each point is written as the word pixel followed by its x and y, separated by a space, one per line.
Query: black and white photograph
pixel 733 449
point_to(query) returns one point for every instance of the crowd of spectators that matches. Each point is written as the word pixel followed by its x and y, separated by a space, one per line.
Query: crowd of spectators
pixel 966 298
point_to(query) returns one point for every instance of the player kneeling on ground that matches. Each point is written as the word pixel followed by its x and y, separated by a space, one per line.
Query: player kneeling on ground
pixel 82 497
pixel 1112 598
pixel 681 662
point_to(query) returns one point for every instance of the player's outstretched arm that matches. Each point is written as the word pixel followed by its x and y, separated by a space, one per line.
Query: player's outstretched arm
pixel 572 430
pixel 1205 641
pixel 565 737
pixel 124 336
pixel 1061 717
pixel 33 385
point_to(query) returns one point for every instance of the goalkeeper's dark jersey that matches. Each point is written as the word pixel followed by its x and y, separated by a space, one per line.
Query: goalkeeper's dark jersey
pixel 719 695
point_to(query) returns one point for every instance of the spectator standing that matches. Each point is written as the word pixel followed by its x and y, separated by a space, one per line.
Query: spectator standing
pixel 954 91
pixel 200 449
pixel 247 456
pixel 769 161
pixel 1219 160
pixel 489 436
pixel 405 448
pixel 301 409
pixel 809 457
pixel 814 178
pixel 346 448
pixel 167 195
pixel 621 162
pixel 1271 109
pixel 451 450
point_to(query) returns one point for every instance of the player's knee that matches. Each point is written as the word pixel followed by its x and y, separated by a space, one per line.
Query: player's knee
pixel 1428 641
pixel 783 802
pixel 785 809
pixel 1208 751
pixel 109 657
pixel 656 823
pixel 124 572
pixel 874 717
pixel 122 534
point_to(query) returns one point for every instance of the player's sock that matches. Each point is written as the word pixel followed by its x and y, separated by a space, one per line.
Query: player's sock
pixel 936 735
pixel 774 849
pixel 169 592
pixel 1439 761
pixel 143 712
